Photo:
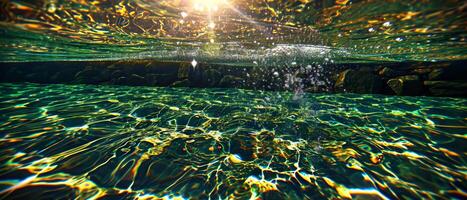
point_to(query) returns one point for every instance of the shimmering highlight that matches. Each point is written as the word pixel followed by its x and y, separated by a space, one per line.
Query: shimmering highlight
pixel 95 142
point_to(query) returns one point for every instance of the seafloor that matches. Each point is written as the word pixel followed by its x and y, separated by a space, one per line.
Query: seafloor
pixel 82 141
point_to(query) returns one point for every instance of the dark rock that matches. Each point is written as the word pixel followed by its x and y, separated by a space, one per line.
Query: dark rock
pixel 367 69
pixel 117 73
pixel 449 73
pixel 182 83
pixel 390 73
pixel 92 75
pixel 436 74
pixel 37 77
pixel 447 88
pixel 211 77
pixel 64 75
pixel 183 71
pixel 88 72
pixel 59 78
pixel 406 85
pixel 135 79
pixel 230 81
pixel 163 67
pixel 196 75
pixel 11 74
pixel 204 76
pixel 334 77
pixel 161 79
pixel 132 80
pixel 421 71
pixel 120 81
pixel 359 81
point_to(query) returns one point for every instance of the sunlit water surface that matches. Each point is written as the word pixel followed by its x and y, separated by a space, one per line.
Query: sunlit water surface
pixel 234 31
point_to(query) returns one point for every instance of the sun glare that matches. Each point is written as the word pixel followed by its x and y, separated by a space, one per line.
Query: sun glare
pixel 208 5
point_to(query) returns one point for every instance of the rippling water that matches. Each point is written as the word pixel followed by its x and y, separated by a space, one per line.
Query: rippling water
pixel 116 142
pixel 76 141
pixel 234 31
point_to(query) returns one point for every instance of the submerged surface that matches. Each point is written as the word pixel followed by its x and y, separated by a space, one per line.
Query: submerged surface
pixel 234 31
pixel 102 141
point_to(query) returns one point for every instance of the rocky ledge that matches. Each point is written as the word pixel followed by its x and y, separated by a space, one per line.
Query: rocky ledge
pixel 429 79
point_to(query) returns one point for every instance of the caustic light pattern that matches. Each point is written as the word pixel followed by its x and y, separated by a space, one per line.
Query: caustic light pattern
pixel 98 142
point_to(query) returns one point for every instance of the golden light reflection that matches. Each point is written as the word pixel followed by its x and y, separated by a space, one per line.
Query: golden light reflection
pixel 140 156
pixel 408 31
pixel 208 5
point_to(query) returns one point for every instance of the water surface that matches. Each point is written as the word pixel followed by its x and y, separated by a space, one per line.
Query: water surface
pixel 234 31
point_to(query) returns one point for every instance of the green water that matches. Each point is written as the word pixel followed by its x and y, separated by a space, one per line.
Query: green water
pixel 116 142
pixel 102 142
pixel 234 31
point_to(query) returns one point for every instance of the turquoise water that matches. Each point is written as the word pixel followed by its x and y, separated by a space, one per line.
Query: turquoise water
pixel 103 142
pixel 61 141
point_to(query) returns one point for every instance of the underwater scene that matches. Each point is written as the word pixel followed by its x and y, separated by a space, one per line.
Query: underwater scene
pixel 233 99
pixel 120 142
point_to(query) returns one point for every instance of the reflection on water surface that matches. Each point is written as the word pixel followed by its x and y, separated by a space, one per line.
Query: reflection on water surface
pixel 240 31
